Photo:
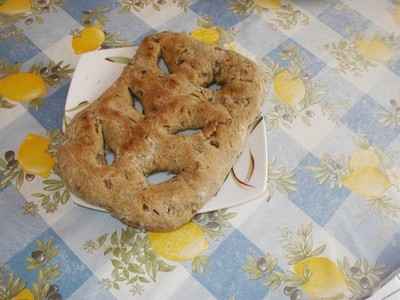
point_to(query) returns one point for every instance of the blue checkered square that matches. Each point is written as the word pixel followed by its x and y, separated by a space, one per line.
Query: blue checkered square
pixel 21 229
pixel 73 272
pixel 17 50
pixel 50 114
pixel 355 223
pixel 119 21
pixel 316 200
pixel 76 7
pixel 224 275
pixel 12 135
pixel 51 26
pixel 92 289
pixel 219 11
pixel 363 119
pixel 311 64
pixel 344 20
pixel 185 22
pixel 390 257
pixel 284 149
pixel 337 91
pixel 266 39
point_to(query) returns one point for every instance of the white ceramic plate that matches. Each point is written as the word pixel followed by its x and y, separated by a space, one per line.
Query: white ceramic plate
pixel 94 74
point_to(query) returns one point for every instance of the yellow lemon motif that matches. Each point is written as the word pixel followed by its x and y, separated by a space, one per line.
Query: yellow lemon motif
pixel 289 89
pixel 33 155
pixel 368 182
pixel 208 35
pixel 22 86
pixel 374 49
pixel 326 280
pixel 364 158
pixel 183 244
pixel 269 4
pixel 25 294
pixel 90 38
pixel 15 7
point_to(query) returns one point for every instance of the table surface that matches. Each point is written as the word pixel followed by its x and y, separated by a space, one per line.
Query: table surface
pixel 330 229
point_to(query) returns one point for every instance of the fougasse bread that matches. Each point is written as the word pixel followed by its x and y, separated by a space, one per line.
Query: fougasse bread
pixel 150 141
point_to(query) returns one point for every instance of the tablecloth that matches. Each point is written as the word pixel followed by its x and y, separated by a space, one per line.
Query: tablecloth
pixel 329 230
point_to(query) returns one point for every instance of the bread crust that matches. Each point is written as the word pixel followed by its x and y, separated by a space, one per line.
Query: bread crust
pixel 145 143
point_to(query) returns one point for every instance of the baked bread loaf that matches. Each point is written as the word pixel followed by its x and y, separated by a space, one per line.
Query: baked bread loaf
pixel 149 142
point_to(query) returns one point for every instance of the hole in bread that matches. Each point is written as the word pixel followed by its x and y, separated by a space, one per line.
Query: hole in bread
pixel 145 207
pixel 162 65
pixel 160 177
pixel 156 212
pixel 136 102
pixel 214 143
pixel 214 86
pixel 188 131
pixel 110 157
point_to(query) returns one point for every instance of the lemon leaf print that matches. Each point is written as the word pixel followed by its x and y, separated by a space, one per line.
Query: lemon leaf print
pixel 214 223
pixel 360 53
pixel 95 16
pixel 10 284
pixel 40 261
pixel 57 194
pixel 133 259
pixel 138 5
pixel 329 171
pixel 287 17
pixel 7 68
pixel 284 14
pixel 299 245
pixel 361 277
pixel 280 178
pixel 255 268
pixel 199 264
pixel 390 117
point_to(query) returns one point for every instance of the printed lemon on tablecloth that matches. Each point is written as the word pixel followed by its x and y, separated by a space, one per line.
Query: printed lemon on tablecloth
pixel 33 155
pixel 23 86
pixel 268 4
pixel 15 7
pixel 374 49
pixel 182 244
pixel 326 280
pixel 364 158
pixel 25 294
pixel 88 39
pixel 209 35
pixel 289 88
pixel 366 177
pixel 369 182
